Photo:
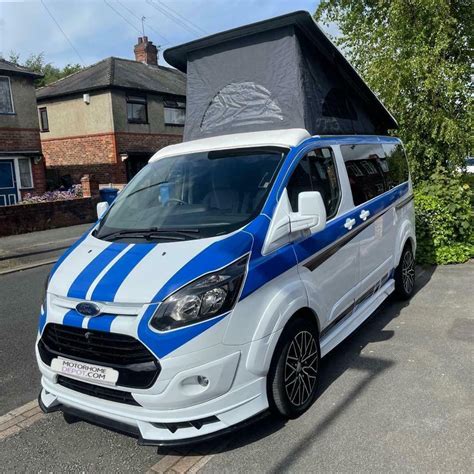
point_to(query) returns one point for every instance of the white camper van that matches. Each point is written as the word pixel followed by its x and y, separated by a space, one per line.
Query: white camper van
pixel 207 293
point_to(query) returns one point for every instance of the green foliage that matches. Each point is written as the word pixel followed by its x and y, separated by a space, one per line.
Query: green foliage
pixel 37 63
pixel 444 221
pixel 416 55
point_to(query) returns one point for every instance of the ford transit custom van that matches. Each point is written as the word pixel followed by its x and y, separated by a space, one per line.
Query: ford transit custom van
pixel 209 290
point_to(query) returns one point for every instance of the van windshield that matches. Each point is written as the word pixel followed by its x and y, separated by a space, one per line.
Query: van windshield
pixel 193 196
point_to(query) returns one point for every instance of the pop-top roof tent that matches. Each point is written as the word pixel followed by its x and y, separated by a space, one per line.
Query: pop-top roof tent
pixel 275 74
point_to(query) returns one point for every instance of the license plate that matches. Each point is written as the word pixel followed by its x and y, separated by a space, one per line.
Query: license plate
pixel 85 371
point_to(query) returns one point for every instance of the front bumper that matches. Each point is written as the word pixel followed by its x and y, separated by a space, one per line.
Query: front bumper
pixel 134 431
pixel 172 412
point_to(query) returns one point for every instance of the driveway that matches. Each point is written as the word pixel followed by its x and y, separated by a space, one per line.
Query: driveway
pixel 395 396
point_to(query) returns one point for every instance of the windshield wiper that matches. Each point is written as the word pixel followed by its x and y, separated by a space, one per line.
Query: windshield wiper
pixel 151 232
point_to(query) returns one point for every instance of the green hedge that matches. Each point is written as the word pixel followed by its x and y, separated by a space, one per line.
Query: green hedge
pixel 444 219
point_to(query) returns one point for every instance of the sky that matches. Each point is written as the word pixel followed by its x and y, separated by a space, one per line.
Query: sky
pixel 96 29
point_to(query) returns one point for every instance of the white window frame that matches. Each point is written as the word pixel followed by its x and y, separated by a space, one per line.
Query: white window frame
pixel 11 97
pixel 18 174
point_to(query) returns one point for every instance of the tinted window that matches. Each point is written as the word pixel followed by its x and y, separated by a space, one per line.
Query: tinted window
pixel 299 182
pixel 395 165
pixel 316 172
pixel 365 166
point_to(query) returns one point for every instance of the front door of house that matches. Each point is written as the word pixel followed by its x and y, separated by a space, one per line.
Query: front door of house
pixel 8 187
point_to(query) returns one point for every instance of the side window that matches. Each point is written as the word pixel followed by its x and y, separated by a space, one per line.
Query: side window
pixel 300 181
pixel 366 167
pixel 316 172
pixel 395 165
pixel 324 178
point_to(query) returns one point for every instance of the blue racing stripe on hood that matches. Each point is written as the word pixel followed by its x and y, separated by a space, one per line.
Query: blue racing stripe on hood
pixel 109 284
pixel 84 280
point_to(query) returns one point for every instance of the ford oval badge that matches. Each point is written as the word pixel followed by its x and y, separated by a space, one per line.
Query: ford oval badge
pixel 88 309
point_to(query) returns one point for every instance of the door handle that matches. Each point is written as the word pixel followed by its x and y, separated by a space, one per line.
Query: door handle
pixel 364 214
pixel 349 223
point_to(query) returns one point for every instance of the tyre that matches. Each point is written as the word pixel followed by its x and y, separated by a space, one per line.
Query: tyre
pixel 405 274
pixel 293 375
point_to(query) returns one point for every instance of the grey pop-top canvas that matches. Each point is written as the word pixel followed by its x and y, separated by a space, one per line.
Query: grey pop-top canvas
pixel 276 74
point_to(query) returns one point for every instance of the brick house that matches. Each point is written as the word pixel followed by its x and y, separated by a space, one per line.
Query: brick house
pixel 110 118
pixel 22 167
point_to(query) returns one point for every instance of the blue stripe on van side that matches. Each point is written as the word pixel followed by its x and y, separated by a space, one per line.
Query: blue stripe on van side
pixel 101 323
pixel 84 280
pixel 109 284
pixel 73 318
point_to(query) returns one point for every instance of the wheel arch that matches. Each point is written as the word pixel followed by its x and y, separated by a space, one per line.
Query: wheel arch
pixel 261 351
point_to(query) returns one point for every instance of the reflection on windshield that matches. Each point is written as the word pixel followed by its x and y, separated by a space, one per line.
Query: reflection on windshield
pixel 207 194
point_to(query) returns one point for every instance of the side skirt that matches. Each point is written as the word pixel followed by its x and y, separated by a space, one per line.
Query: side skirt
pixel 352 321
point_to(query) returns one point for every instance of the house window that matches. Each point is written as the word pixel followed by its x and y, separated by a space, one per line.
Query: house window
pixel 44 124
pixel 175 112
pixel 26 178
pixel 6 99
pixel 137 109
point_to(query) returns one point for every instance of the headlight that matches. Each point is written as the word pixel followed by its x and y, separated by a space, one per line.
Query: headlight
pixel 204 298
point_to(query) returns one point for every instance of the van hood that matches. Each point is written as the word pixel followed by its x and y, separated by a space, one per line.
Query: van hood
pixel 97 270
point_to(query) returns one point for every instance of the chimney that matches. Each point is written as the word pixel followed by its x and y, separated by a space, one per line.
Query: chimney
pixel 146 52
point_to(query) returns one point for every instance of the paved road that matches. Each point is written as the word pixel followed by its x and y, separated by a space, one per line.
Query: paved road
pixel 396 396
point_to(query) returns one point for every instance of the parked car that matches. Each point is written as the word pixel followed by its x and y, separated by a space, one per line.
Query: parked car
pixel 209 290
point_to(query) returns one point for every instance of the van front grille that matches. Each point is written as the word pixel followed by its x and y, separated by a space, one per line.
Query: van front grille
pixel 136 365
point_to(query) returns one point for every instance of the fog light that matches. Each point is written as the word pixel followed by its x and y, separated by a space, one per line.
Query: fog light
pixel 203 381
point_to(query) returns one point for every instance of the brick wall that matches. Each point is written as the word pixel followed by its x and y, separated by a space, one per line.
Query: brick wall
pixel 88 154
pixel 145 142
pixel 19 139
pixel 22 218
pixel 99 154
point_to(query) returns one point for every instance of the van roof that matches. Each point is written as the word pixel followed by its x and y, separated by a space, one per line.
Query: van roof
pixel 279 138
pixel 275 138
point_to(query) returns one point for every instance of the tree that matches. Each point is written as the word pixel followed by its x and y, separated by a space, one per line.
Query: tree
pixel 417 56
pixel 37 63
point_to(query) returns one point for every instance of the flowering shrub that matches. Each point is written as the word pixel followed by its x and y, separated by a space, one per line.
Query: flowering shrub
pixel 59 195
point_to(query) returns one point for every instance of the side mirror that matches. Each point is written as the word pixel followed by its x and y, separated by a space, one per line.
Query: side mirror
pixel 311 213
pixel 101 208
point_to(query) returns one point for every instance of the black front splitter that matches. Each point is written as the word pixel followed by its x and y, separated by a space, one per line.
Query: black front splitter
pixel 134 432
